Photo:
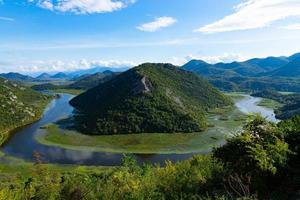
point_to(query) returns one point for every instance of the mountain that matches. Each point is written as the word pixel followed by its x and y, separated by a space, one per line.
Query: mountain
pixel 95 70
pixel 205 69
pixel 269 63
pixel 90 81
pixel 146 99
pixel 60 75
pixel 253 74
pixel 252 67
pixel 17 77
pixel 293 57
pixel 19 106
pixel 44 76
pixel 292 69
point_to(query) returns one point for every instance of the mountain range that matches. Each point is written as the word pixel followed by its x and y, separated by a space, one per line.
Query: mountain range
pixel 278 73
pixel 257 67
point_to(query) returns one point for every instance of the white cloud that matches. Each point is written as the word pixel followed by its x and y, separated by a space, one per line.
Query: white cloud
pixel 157 24
pixel 225 58
pixel 292 27
pixel 47 4
pixel 252 14
pixel 7 19
pixel 83 6
pixel 65 66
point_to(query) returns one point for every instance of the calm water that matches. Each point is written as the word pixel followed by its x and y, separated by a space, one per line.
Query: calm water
pixel 249 105
pixel 23 145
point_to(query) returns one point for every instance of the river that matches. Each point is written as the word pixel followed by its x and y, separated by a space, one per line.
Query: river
pixel 23 144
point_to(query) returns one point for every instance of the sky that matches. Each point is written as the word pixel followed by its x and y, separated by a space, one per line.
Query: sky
pixel 66 35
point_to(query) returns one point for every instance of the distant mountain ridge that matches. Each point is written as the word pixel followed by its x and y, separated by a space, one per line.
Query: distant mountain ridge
pixel 277 73
pixel 253 67
pixel 17 77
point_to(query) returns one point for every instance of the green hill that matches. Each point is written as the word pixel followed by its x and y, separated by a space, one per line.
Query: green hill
pixel 18 106
pixel 146 99
pixel 292 69
pixel 91 81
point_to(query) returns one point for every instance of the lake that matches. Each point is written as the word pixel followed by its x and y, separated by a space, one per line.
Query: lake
pixel 23 144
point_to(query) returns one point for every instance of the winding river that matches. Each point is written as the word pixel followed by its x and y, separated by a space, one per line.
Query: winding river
pixel 23 144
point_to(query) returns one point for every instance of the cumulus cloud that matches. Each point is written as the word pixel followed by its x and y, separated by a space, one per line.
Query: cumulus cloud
pixel 213 59
pixel 225 58
pixel 63 66
pixel 83 6
pixel 157 24
pixel 252 14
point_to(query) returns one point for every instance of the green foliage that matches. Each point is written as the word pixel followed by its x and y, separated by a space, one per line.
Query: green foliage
pixel 254 165
pixel 91 81
pixel 149 98
pixel 192 179
pixel 259 148
pixel 19 106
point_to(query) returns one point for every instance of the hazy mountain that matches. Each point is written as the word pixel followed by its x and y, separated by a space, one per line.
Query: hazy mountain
pixel 89 81
pixel 96 70
pixel 44 76
pixel 59 75
pixel 252 67
pixel 17 77
pixel 292 69
pixel 149 98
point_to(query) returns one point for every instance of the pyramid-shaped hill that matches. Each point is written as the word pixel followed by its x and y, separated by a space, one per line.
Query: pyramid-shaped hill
pixel 146 99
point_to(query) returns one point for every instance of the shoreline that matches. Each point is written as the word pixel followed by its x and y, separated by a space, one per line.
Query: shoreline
pixel 9 133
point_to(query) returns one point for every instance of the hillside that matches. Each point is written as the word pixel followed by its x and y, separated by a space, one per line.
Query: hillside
pixel 17 77
pixel 253 74
pixel 149 98
pixel 18 106
pixel 292 69
pixel 90 81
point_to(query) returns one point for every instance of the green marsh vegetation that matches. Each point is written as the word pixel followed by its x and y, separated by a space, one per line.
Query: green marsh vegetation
pixel 222 123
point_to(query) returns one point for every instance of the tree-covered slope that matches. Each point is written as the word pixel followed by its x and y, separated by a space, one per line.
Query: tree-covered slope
pixel 148 98
pixel 292 69
pixel 18 106
pixel 91 81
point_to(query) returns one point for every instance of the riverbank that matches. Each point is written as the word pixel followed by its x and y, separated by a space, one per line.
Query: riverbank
pixel 5 135
pixel 221 125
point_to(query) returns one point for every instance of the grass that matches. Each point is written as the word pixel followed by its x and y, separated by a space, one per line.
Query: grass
pixel 69 91
pixel 269 103
pixel 236 96
pixel 219 128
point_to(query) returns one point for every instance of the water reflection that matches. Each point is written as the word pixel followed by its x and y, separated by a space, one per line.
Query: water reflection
pixel 23 145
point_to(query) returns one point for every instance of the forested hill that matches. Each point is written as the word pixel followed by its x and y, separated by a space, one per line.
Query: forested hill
pixel 277 73
pixel 18 106
pixel 148 98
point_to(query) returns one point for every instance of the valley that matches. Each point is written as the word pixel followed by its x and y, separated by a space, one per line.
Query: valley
pixel 59 145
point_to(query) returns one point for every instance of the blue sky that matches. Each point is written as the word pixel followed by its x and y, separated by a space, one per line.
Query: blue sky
pixel 65 35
